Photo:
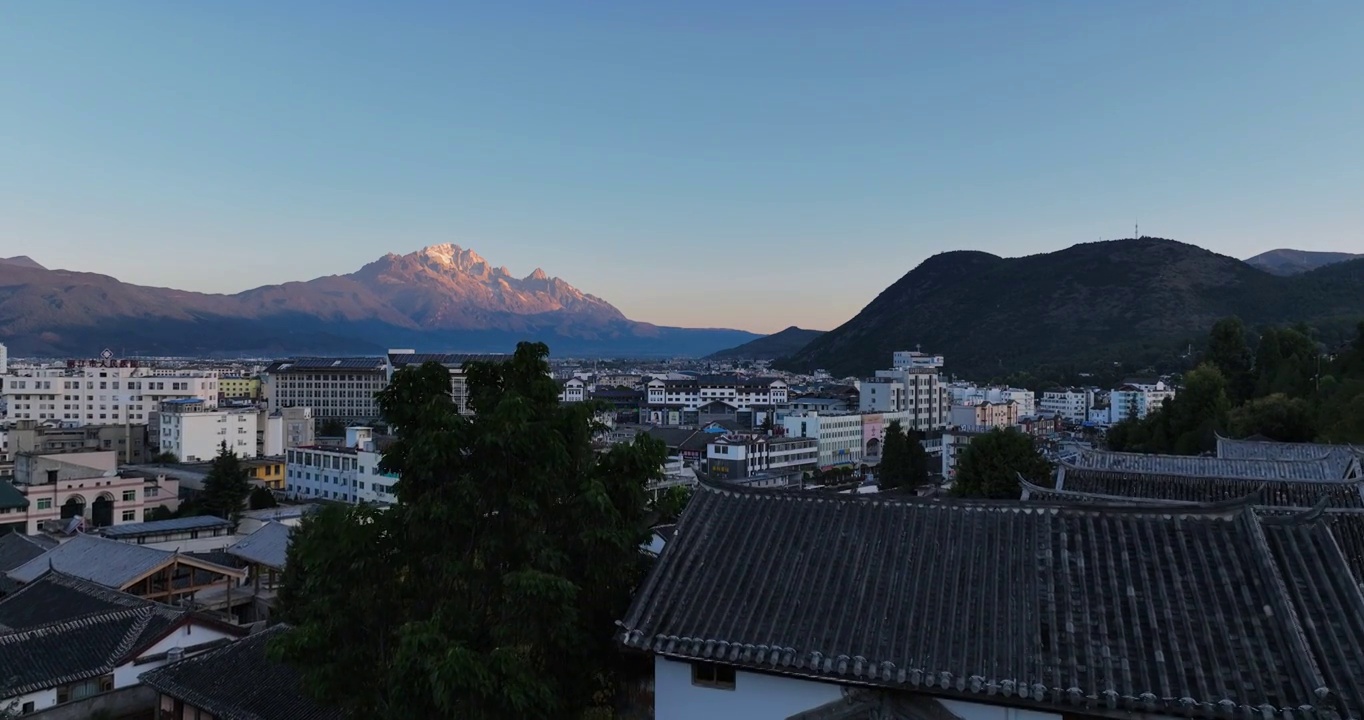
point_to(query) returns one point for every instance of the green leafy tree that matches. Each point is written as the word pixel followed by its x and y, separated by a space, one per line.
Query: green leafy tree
pixel 1198 411
pixel 226 486
pixel 1229 352
pixel 160 512
pixel 990 465
pixel 896 464
pixel 492 588
pixel 165 458
pixel 1277 417
pixel 331 428
pixel 261 498
pixel 669 504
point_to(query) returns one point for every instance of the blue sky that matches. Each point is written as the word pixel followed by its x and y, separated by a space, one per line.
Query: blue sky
pixel 707 163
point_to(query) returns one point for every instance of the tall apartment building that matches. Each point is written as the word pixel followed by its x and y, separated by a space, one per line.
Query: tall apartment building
pixel 101 392
pixel 340 389
pixel 916 389
pixel 454 362
pixel 193 432
pixel 4 359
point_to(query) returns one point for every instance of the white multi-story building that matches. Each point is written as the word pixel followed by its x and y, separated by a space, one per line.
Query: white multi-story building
pixel 740 457
pixel 286 428
pixel 321 472
pixel 1073 404
pixel 986 414
pixel 739 392
pixel 906 359
pixel 4 359
pixel 572 390
pixel 340 389
pixel 916 391
pixel 348 473
pixel 454 362
pixel 194 433
pixel 838 437
pixel 1136 398
pixel 970 394
pixel 101 392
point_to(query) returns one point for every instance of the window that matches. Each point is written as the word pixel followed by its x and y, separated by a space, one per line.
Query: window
pixel 712 675
pixel 129 516
pixel 44 503
pixel 85 689
pixel 129 496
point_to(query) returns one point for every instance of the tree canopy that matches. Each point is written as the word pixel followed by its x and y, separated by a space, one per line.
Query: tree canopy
pixel 492 588
pixel 904 462
pixel 226 486
pixel 990 465
pixel 1294 390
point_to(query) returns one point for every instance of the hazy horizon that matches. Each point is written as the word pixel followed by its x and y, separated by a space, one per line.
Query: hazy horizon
pixel 752 166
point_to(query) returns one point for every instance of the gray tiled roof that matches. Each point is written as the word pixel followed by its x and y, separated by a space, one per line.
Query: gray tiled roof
pixel 11 498
pixel 240 682
pixel 108 562
pixel 1157 610
pixel 160 527
pixel 1204 466
pixel 17 549
pixel 55 597
pixel 1203 489
pixel 87 647
pixel 1345 457
pixel 269 545
pixel 1343 513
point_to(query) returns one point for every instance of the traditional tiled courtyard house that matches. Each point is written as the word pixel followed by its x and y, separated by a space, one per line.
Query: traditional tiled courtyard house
pixel 782 605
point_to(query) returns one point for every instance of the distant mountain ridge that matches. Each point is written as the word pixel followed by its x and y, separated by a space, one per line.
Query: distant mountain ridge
pixel 442 297
pixel 22 261
pixel 1093 302
pixel 770 347
pixel 1293 262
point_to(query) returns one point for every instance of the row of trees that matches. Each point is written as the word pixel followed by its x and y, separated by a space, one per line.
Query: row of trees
pixel 1287 388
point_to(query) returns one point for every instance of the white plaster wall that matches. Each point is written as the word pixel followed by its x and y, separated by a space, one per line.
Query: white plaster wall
pixel 754 697
pixel 42 700
pixel 976 711
pixel 191 634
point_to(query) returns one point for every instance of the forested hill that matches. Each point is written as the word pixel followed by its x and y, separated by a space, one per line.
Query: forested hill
pixel 1121 300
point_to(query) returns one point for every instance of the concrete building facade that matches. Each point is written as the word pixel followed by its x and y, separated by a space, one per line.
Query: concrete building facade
pixel 101 392
pixel 193 432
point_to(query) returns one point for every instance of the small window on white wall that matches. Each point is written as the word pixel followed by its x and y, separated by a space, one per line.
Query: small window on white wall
pixel 711 675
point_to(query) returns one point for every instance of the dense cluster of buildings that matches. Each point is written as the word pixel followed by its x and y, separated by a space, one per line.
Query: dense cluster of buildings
pixel 1125 585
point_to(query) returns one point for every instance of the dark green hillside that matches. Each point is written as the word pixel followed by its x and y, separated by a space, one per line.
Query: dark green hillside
pixel 1094 302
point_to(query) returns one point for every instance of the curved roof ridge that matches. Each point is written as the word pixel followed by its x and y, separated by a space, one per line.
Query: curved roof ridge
pixel 1112 504
pixel 1249 500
